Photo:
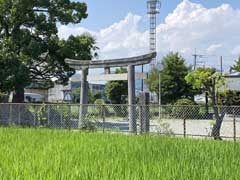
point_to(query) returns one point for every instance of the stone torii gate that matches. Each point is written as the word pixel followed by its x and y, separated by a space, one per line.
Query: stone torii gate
pixel 84 65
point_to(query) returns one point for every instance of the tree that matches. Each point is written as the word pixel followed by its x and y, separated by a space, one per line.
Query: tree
pixel 92 96
pixel 116 90
pixel 236 67
pixel 30 50
pixel 173 84
pixel 209 80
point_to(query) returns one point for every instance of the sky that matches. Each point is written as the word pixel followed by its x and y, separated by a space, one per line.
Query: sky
pixel 121 29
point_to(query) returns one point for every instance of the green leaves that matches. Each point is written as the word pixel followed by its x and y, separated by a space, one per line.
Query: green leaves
pixel 173 84
pixel 236 67
pixel 30 48
pixel 205 78
pixel 117 90
pixel 79 47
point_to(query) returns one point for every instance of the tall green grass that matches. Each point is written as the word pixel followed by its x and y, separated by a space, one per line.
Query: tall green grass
pixel 58 154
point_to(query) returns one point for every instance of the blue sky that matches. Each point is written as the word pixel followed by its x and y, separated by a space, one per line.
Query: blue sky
pixel 103 13
pixel 121 29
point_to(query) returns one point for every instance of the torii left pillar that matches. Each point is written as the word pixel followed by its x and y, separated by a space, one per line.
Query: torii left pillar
pixel 132 99
pixel 83 96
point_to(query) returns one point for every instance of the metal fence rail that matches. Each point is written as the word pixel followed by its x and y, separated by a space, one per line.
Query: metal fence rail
pixel 195 121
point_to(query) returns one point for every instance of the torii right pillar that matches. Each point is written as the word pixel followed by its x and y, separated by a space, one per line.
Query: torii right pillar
pixel 132 100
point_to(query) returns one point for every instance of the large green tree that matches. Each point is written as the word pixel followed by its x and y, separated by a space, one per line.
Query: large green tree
pixel 117 90
pixel 30 49
pixel 173 84
pixel 209 80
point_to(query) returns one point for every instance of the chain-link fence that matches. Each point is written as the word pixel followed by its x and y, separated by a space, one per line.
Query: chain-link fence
pixel 194 121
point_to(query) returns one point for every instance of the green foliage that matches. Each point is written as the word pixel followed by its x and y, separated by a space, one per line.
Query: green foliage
pixel 164 128
pixel 116 90
pixel 173 84
pixel 186 109
pixel 99 102
pixel 153 80
pixel 79 47
pixel 236 67
pixel 3 97
pixel 76 95
pixel 30 50
pixel 88 124
pixel 207 79
pixel 63 154
pixel 229 98
pixel 185 102
pixel 91 96
pixel 94 96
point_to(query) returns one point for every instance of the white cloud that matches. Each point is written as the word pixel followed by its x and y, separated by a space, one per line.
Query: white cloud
pixel 65 31
pixel 214 47
pixel 120 39
pixel 236 50
pixel 189 26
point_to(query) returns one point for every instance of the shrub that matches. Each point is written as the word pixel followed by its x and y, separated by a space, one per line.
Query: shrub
pixel 102 110
pixel 186 109
pixel 99 102
pixel 3 98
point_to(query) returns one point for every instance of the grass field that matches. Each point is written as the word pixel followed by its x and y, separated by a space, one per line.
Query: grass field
pixel 58 154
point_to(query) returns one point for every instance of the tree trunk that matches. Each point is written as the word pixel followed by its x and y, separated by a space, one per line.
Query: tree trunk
pixel 218 124
pixel 206 102
pixel 18 95
pixel 216 129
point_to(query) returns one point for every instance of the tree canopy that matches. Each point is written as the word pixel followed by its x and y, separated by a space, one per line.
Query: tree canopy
pixel 173 84
pixel 207 79
pixel 30 49
pixel 116 90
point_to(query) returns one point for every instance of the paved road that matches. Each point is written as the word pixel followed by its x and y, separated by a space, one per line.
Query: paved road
pixel 193 127
pixel 196 127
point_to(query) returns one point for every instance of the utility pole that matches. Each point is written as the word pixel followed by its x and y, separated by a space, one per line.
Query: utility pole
pixel 195 60
pixel 195 55
pixel 221 63
pixel 142 83
pixel 160 94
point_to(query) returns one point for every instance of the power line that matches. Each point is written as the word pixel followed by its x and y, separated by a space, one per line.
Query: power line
pixel 203 56
pixel 196 56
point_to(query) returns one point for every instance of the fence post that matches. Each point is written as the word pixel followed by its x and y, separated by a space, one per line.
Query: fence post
pixel 61 116
pixel 234 125
pixel 103 117
pixel 34 116
pixel 67 118
pixel 48 119
pixel 159 111
pixel 141 118
pixel 19 114
pixel 10 115
pixel 184 127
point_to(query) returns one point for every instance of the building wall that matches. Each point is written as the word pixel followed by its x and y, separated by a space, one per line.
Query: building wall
pixel 43 92
pixel 59 92
pixel 233 83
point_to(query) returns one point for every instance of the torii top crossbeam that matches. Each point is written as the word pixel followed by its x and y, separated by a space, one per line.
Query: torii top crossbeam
pixel 123 62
